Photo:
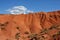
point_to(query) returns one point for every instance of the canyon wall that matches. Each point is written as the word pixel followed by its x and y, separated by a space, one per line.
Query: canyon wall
pixel 30 26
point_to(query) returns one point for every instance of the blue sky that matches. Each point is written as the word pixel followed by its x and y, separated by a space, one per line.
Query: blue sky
pixel 33 5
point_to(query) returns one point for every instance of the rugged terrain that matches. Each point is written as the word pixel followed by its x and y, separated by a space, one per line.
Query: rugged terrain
pixel 32 26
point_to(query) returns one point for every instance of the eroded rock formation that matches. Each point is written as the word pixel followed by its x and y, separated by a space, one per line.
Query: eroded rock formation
pixel 33 26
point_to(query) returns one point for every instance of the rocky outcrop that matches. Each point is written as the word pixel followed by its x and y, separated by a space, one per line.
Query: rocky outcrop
pixel 32 26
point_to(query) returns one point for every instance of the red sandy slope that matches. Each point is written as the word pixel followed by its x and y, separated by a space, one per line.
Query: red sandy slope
pixel 20 27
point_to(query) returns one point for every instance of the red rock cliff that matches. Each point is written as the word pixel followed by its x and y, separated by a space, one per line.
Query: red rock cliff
pixel 33 26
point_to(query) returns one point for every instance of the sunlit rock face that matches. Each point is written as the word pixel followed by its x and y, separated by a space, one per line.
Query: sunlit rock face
pixel 32 26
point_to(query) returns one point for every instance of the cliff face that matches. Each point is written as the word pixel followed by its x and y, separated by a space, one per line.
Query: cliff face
pixel 30 26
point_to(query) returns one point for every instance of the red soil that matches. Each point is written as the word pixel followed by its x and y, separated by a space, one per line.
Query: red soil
pixel 19 27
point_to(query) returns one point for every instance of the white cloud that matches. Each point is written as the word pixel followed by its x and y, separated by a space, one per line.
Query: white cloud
pixel 19 10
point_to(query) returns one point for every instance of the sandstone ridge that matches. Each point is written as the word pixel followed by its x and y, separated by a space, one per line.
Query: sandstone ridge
pixel 19 27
